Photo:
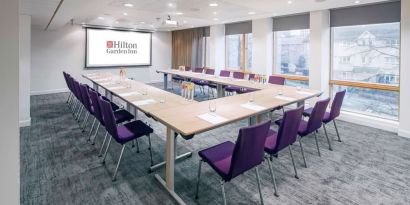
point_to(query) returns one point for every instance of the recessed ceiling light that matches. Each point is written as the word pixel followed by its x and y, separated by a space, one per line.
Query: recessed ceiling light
pixel 142 22
pixel 179 13
pixel 357 2
pixel 289 2
pixel 82 23
pixel 185 21
pixel 216 19
pixel 152 25
pixel 214 12
pixel 125 14
pixel 101 18
pixel 170 4
pixel 213 4
pixel 116 22
pixel 128 5
pixel 251 13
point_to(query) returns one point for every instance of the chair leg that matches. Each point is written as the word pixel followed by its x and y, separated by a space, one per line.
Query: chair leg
pixel 114 177
pixel 303 153
pixel 92 127
pixel 106 150
pixel 327 137
pixel 69 97
pixel 273 178
pixel 150 149
pixel 223 191
pixel 317 144
pixel 259 184
pixel 199 178
pixel 95 134
pixel 138 145
pixel 293 162
pixel 337 131
pixel 102 146
pixel 83 125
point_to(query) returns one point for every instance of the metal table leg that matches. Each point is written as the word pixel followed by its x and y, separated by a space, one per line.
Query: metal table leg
pixel 165 81
pixel 220 91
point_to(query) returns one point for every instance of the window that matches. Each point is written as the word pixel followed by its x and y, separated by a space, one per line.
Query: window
pixel 291 52
pixel 367 57
pixel 239 51
pixel 206 51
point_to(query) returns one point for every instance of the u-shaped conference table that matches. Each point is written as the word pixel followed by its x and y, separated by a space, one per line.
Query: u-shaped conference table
pixel 188 118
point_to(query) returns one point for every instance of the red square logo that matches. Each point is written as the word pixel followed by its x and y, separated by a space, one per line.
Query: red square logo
pixel 109 44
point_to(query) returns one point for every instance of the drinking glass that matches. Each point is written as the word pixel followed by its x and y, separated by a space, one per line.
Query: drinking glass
pixel 212 106
pixel 163 99
pixel 251 97
pixel 298 88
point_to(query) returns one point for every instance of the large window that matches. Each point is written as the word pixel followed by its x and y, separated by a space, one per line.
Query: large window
pixel 291 54
pixel 239 51
pixel 365 62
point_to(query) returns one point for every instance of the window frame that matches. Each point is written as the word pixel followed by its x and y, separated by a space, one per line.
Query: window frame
pixel 243 53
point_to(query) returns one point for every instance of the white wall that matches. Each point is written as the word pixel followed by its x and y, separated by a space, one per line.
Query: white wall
pixel 9 107
pixel 24 72
pixel 262 46
pixel 404 127
pixel 64 50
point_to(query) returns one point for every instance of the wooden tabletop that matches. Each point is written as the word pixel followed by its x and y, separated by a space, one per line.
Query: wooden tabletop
pixel 182 115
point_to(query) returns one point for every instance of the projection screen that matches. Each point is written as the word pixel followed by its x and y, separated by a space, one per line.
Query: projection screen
pixel 117 48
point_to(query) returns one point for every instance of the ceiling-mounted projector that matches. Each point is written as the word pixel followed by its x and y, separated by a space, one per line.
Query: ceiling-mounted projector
pixel 169 22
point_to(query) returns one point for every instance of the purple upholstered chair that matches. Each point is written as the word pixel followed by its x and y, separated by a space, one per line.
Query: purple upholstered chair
pixel 122 133
pixel 179 79
pixel 233 89
pixel 68 86
pixel 202 83
pixel 334 112
pixel 251 76
pixel 277 80
pixel 284 138
pixel 312 125
pixel 87 104
pixel 232 159
pixel 198 70
pixel 78 95
pixel 222 73
pixel 120 116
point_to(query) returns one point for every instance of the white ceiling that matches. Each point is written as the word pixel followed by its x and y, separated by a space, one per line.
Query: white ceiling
pixel 145 13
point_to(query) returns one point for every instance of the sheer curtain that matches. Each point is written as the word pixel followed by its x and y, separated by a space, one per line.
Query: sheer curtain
pixel 187 47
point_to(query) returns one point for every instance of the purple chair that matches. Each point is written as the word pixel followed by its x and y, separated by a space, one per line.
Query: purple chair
pixel 202 83
pixel 232 159
pixel 122 134
pixel 284 138
pixel 233 89
pixel 179 79
pixel 312 125
pixel 251 76
pixel 222 73
pixel 277 80
pixel 68 86
pixel 334 112
pixel 198 70
pixel 120 116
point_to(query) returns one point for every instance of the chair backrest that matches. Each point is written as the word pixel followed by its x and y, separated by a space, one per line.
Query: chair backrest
pixel 277 80
pixel 210 71
pixel 316 118
pixel 96 106
pixel 198 70
pixel 108 117
pixel 225 73
pixel 187 68
pixel 249 148
pixel 77 91
pixel 238 75
pixel 86 97
pixel 337 104
pixel 251 76
pixel 69 82
pixel 288 130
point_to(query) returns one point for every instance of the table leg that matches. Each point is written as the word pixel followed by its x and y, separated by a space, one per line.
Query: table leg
pixel 168 184
pixel 165 81
pixel 300 103
pixel 220 91
pixel 95 86
pixel 108 95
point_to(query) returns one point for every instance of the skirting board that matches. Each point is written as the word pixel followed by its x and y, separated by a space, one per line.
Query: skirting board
pixel 404 133
pixel 25 123
pixel 45 92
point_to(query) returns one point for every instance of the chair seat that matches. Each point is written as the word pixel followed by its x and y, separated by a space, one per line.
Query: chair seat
pixel 122 116
pixel 132 130
pixel 113 105
pixel 246 90
pixel 177 78
pixel 212 85
pixel 219 157
pixel 232 88
pixel 326 118
pixel 302 130
pixel 271 140
pixel 200 82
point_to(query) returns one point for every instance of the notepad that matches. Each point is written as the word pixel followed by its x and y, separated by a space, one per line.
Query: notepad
pixel 144 102
pixel 130 94
pixel 107 83
pixel 240 80
pixel 304 93
pixel 101 79
pixel 116 87
pixel 281 97
pixel 212 118
pixel 252 106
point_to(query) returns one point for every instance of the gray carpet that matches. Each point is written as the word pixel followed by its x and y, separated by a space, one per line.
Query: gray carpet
pixel 58 166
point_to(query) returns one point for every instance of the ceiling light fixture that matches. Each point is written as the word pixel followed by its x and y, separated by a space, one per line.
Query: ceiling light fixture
pixel 216 19
pixel 142 22
pixel 125 14
pixel 289 2
pixel 213 4
pixel 214 12
pixel 128 5
pixel 179 13
pixel 101 18
pixel 357 2
pixel 251 13
pixel 170 4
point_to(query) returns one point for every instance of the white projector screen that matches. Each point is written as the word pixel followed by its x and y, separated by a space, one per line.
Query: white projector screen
pixel 116 48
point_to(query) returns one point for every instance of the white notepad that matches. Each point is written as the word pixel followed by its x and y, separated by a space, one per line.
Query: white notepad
pixel 281 97
pixel 212 118
pixel 107 83
pixel 144 102
pixel 116 87
pixel 252 106
pixel 240 80
pixel 130 94
pixel 101 79
pixel 304 93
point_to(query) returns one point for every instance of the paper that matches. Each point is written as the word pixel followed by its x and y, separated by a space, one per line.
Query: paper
pixel 212 118
pixel 107 83
pixel 144 102
pixel 129 94
pixel 240 80
pixel 101 79
pixel 304 93
pixel 281 97
pixel 252 106
pixel 116 88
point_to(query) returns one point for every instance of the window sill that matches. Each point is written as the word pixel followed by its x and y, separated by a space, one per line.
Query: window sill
pixel 370 121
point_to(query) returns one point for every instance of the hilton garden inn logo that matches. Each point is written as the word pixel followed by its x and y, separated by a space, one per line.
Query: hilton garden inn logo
pixel 121 47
